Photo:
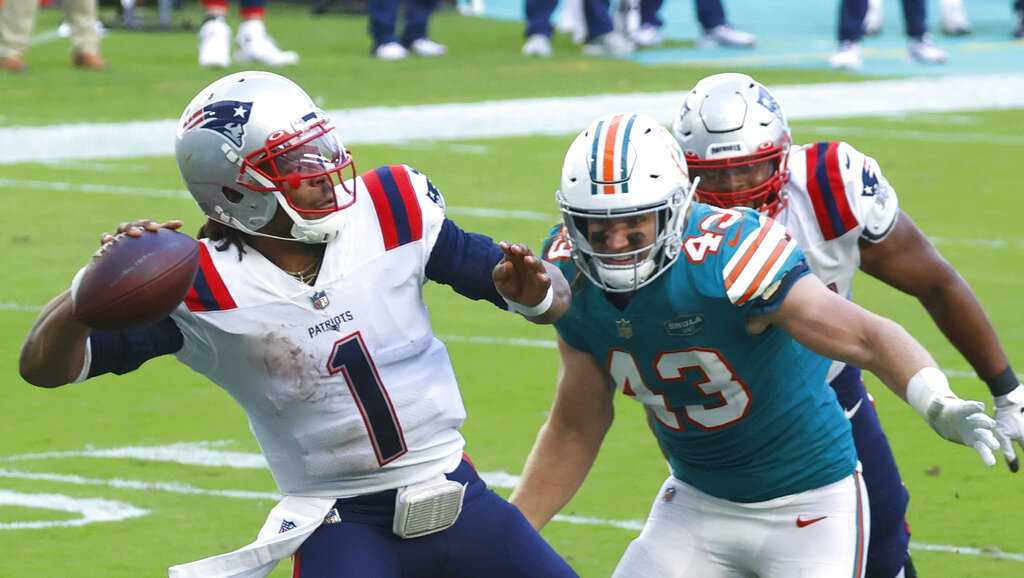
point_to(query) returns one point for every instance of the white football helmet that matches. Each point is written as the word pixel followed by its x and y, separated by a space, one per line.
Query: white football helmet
pixel 245 139
pixel 624 165
pixel 730 122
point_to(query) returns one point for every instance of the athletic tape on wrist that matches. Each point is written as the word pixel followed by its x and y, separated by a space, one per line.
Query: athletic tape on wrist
pixel 536 310
pixel 925 386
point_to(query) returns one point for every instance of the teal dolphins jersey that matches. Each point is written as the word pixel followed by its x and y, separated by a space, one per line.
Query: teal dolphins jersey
pixel 742 417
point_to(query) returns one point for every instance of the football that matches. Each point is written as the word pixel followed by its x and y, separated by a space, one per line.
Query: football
pixel 134 281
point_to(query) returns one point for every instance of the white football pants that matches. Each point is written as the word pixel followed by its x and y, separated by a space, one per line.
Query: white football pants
pixel 821 533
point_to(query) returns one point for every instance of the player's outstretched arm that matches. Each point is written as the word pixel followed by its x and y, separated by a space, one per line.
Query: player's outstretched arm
pixel 534 288
pixel 852 334
pixel 568 442
pixel 54 351
pixel 909 262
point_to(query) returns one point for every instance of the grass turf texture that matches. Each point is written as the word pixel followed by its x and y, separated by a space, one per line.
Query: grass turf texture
pixel 956 192
pixel 153 76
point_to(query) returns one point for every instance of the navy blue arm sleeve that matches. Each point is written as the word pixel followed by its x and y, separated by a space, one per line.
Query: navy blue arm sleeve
pixel 464 262
pixel 123 351
pixel 765 306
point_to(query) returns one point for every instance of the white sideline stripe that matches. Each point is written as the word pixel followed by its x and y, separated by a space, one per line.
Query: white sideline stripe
pixel 192 454
pixel 916 135
pixel 20 308
pixel 97 510
pixel 983 552
pixel 94 188
pixel 474 339
pixel 482 212
pixel 485 340
pixel 529 117
pixel 173 487
pixel 91 510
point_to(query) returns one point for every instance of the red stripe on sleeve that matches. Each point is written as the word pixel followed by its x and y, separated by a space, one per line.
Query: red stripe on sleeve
pixel 383 209
pixel 192 300
pixel 835 180
pixel 413 214
pixel 214 281
pixel 820 211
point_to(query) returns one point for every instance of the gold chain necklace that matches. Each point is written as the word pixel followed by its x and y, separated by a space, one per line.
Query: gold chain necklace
pixel 307 275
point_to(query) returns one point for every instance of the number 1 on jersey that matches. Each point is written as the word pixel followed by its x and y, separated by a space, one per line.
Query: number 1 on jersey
pixel 351 358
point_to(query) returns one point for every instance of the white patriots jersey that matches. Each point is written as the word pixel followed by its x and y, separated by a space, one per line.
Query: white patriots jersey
pixel 836 196
pixel 345 386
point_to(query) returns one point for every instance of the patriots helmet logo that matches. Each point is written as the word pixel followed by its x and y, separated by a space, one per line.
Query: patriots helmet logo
pixel 225 117
pixel 765 99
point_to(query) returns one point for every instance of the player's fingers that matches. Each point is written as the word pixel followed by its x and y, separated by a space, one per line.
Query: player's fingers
pixel 1009 453
pixel 533 263
pixel 172 224
pixel 987 437
pixel 979 420
pixel 986 454
pixel 500 272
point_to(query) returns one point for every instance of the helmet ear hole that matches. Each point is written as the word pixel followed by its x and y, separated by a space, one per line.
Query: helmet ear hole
pixel 232 195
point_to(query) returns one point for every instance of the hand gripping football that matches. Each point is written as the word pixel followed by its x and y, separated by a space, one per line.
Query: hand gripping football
pixel 134 281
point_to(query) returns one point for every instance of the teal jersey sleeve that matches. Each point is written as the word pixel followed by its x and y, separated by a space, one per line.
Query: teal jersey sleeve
pixel 557 250
pixel 743 256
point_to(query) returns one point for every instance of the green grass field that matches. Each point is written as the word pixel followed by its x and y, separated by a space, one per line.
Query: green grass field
pixel 952 172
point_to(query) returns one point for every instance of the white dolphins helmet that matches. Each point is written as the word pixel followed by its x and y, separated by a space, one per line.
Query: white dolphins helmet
pixel 624 165
pixel 731 122
pixel 246 136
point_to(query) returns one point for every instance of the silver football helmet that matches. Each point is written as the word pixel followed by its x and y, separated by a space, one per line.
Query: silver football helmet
pixel 624 165
pixel 730 124
pixel 246 140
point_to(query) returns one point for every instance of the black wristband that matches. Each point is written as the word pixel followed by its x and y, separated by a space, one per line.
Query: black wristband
pixel 1003 383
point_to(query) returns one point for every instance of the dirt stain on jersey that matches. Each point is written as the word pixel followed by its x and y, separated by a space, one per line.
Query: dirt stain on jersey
pixel 294 372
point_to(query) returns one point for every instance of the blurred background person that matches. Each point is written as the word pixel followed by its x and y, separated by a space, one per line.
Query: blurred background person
pixel 710 14
pixel 17 19
pixel 384 22
pixel 1018 8
pixel 252 43
pixel 952 17
pixel 587 19
pixel 852 15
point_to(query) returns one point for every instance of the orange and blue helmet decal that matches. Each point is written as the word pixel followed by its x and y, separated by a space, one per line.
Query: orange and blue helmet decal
pixel 609 167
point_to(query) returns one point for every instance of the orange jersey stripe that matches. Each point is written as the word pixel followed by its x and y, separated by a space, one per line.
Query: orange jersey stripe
pixel 738 269
pixel 779 248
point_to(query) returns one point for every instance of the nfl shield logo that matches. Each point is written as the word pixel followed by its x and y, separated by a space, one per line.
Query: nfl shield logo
pixel 625 328
pixel 320 300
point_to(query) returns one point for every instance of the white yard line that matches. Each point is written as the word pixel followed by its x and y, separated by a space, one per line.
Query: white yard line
pixel 529 117
pixel 474 339
pixel 210 453
pixel 90 509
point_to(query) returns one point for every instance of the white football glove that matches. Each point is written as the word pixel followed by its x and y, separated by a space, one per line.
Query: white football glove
pixel 955 419
pixel 1010 421
pixel 965 422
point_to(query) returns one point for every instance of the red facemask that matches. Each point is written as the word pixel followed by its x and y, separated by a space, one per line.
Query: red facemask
pixel 289 158
pixel 764 196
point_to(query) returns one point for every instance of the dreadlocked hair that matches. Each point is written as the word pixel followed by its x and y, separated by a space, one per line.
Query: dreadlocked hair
pixel 223 236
